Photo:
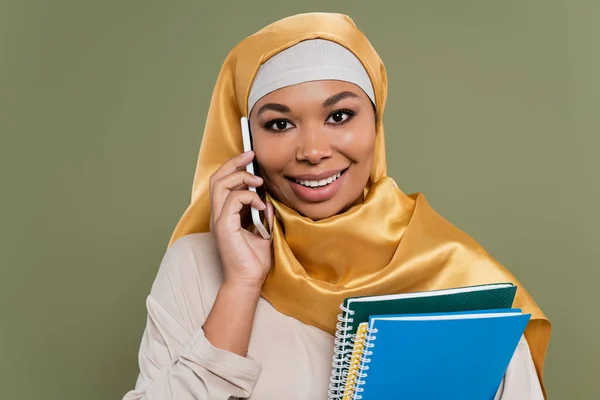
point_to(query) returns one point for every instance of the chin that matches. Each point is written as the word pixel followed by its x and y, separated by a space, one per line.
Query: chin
pixel 319 211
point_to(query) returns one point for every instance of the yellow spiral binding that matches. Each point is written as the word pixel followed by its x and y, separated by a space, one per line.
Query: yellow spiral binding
pixel 359 344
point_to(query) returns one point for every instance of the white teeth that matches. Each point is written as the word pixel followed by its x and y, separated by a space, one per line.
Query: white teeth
pixel 322 182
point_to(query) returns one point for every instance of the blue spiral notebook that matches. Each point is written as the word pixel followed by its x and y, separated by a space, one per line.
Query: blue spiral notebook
pixel 448 356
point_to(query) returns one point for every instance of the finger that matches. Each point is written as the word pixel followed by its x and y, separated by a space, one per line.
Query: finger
pixel 232 165
pixel 216 211
pixel 236 181
pixel 230 213
pixel 238 162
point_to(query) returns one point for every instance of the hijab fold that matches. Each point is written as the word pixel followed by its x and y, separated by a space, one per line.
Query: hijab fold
pixel 389 243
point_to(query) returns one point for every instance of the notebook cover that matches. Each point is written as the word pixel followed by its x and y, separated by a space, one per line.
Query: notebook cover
pixel 493 298
pixel 440 359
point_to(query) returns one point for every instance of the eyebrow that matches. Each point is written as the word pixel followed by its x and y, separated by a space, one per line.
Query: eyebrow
pixel 336 98
pixel 273 107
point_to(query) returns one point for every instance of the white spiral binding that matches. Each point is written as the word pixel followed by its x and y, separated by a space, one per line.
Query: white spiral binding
pixel 341 354
pixel 364 364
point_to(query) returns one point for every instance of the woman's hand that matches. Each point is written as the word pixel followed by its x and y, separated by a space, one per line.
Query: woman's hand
pixel 246 256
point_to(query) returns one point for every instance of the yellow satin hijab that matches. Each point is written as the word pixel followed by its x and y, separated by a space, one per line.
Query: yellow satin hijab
pixel 390 243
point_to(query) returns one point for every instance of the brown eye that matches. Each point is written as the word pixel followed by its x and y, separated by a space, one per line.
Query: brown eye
pixel 339 117
pixel 279 125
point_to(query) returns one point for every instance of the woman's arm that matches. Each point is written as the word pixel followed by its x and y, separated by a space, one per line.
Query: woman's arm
pixel 176 359
pixel 229 324
pixel 520 380
pixel 184 354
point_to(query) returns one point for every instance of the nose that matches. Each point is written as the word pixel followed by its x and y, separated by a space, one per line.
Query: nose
pixel 314 145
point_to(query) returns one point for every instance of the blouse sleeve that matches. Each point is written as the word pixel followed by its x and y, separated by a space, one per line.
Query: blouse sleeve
pixel 176 361
pixel 520 380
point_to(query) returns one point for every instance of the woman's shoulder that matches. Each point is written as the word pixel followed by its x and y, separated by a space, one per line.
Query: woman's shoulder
pixel 187 281
pixel 192 249
pixel 192 263
pixel 202 240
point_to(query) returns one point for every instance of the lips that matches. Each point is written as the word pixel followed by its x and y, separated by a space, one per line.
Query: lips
pixel 317 188
pixel 316 177
pixel 318 183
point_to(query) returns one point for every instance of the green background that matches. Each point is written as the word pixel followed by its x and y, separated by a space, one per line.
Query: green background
pixel 492 113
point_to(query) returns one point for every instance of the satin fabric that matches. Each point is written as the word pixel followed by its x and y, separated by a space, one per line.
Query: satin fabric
pixel 389 243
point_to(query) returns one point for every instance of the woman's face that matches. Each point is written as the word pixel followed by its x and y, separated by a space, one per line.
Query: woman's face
pixel 315 145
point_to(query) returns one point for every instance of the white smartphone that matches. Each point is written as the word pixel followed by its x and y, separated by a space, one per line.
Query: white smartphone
pixel 258 217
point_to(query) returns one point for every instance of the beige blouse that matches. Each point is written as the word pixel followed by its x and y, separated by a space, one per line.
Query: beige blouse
pixel 286 358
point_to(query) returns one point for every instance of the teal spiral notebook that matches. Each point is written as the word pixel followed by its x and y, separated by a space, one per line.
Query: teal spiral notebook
pixel 450 356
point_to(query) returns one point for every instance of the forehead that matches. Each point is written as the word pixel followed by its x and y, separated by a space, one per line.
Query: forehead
pixel 313 91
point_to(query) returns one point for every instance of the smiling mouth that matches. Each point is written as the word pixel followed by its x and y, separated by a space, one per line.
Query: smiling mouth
pixel 319 183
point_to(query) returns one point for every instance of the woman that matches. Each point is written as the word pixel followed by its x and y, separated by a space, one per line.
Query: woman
pixel 232 315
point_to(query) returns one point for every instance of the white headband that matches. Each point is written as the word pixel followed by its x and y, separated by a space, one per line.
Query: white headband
pixel 310 60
